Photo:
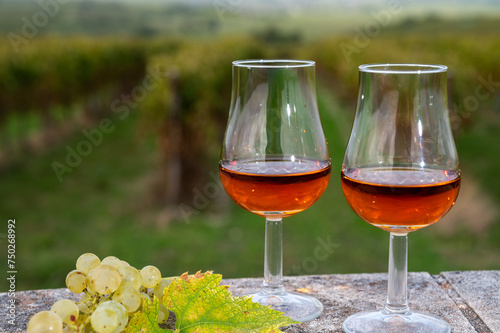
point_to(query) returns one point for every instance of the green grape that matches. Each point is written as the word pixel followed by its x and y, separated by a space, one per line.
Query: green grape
pixel 121 313
pixel 88 283
pixel 45 322
pixel 104 319
pixel 87 262
pixel 151 276
pixel 69 329
pixel 66 309
pixel 164 283
pixel 83 307
pixel 75 281
pixel 128 297
pixel 84 303
pixel 162 314
pixel 90 290
pixel 112 261
pixel 105 279
pixel 83 322
pixel 131 277
pixel 84 298
pixel 124 263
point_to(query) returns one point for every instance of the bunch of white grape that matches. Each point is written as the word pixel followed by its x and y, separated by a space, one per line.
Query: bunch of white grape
pixel 113 291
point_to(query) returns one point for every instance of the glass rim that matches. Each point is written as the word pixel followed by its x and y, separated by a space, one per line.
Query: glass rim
pixel 273 63
pixel 402 68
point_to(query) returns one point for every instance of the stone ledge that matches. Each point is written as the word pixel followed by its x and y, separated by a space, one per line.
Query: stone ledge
pixel 469 300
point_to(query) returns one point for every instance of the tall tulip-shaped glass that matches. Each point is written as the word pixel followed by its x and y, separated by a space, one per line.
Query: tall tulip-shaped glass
pixel 400 173
pixel 275 161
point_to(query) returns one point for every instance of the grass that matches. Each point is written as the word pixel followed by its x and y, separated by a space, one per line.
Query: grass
pixel 104 207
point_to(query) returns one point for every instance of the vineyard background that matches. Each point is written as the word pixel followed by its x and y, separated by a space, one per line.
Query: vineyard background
pixel 112 116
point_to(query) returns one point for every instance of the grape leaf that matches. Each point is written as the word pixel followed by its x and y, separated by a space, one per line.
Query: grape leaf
pixel 145 321
pixel 201 305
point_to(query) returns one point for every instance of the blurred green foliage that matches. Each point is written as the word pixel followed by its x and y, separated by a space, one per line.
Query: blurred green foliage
pixel 115 201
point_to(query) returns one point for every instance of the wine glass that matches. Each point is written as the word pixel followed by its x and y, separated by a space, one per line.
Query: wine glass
pixel 275 161
pixel 400 173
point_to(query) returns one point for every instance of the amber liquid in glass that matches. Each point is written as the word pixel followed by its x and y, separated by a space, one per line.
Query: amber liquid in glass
pixel 275 189
pixel 400 200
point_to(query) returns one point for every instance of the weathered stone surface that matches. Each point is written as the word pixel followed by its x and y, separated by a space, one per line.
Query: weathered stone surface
pixel 481 292
pixel 469 301
pixel 343 295
pixel 27 304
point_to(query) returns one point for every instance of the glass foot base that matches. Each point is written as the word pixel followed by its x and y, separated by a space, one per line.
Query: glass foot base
pixel 380 321
pixel 296 306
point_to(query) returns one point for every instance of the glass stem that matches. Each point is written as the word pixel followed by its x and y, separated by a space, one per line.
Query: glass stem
pixel 397 297
pixel 273 258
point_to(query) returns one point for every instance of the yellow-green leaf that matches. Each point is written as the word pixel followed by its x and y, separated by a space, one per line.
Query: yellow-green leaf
pixel 202 305
pixel 145 321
